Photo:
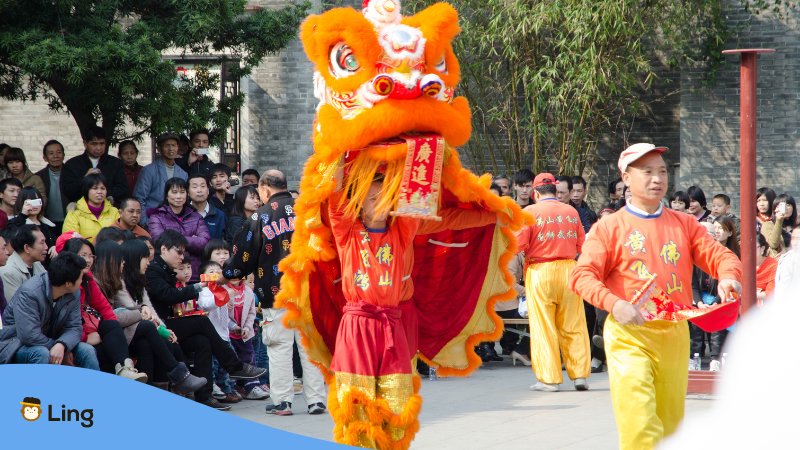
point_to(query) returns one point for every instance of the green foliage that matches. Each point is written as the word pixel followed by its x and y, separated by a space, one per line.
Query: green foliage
pixel 550 79
pixel 102 60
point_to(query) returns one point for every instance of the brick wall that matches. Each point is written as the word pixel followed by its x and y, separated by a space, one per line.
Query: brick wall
pixel 710 115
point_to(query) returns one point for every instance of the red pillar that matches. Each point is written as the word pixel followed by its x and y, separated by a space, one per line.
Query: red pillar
pixel 747 167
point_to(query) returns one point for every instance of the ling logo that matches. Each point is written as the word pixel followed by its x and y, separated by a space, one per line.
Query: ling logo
pixel 31 408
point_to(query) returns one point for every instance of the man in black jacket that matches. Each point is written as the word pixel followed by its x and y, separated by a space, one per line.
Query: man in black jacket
pixel 94 160
pixel 196 161
pixel 195 333
pixel 259 249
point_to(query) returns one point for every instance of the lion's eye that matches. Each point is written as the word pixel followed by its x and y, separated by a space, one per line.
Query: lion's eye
pixel 441 66
pixel 343 61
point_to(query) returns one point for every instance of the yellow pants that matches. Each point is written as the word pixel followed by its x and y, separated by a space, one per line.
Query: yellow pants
pixel 648 373
pixel 558 323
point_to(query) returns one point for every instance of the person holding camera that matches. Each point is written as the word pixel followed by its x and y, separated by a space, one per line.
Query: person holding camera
pixel 30 211
pixel 150 185
pixel 196 161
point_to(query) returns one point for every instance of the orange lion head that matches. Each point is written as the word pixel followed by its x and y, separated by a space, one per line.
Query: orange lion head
pixel 380 75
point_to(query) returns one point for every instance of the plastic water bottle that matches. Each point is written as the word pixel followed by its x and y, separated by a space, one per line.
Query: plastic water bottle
pixel 432 373
pixel 696 362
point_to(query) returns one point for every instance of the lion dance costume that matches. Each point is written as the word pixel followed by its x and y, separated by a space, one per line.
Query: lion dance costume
pixel 367 302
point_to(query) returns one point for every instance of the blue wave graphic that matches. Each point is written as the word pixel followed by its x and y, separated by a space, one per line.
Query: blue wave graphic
pixel 88 409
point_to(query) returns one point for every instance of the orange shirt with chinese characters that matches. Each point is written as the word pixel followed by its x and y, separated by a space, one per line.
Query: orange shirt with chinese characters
pixel 556 234
pixel 626 248
pixel 376 264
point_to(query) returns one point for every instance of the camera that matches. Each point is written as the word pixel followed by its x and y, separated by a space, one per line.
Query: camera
pixel 201 151
pixel 781 208
pixel 35 202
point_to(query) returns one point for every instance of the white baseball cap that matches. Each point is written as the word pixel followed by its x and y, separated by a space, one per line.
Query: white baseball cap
pixel 636 151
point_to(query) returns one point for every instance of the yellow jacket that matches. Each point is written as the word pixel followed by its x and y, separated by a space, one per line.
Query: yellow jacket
pixel 85 223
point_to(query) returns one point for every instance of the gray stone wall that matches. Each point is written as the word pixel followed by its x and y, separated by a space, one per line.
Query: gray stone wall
pixel 710 115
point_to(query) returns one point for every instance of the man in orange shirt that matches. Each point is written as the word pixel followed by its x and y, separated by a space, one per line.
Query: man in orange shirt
pixel 557 320
pixel 648 361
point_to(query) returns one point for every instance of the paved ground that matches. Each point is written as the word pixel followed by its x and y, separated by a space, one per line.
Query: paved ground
pixel 491 409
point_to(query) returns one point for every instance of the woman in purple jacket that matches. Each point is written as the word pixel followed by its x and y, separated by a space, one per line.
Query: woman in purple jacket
pixel 175 214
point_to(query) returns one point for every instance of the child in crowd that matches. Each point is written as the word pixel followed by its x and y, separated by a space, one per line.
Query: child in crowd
pixel 721 207
pixel 242 313
pixel 224 388
pixel 218 251
pixel 679 201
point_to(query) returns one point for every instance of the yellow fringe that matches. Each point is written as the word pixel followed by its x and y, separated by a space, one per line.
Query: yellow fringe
pixel 349 429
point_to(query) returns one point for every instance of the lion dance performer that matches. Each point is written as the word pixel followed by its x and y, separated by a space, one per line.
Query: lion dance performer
pixel 397 252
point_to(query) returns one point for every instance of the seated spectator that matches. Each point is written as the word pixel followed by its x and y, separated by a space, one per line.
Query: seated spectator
pixel 56 208
pixel 697 203
pixel 136 315
pixel 127 153
pixel 130 212
pixel 218 251
pixel 113 234
pixel 765 200
pixel 196 160
pixel 766 267
pixel 149 243
pixel 578 199
pixel 94 161
pixel 30 251
pixel 42 323
pixel 523 186
pixel 250 177
pixel 150 187
pixel 93 211
pixel 245 203
pixel 220 184
pixel 3 260
pixel 679 201
pixel 17 167
pixel 195 333
pixel 30 211
pixel 215 219
pixel 100 326
pixel 175 214
pixel 9 191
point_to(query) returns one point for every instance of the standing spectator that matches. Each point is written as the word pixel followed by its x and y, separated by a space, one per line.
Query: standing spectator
pixel 721 207
pixel 250 177
pixel 55 210
pixel 9 191
pixel 130 212
pixel 196 161
pixel 220 183
pixel 30 251
pixel 95 160
pixel 260 252
pixel 787 274
pixel 615 190
pixel 765 200
pixel 523 186
pixel 766 268
pixel 127 153
pixel 3 260
pixel 697 203
pixel 647 361
pixel 504 183
pixel 175 214
pixel 150 186
pixel 215 219
pixel 578 198
pixel 679 201
pixel 93 210
pixel 17 167
pixel 42 323
pixel 30 212
pixel 778 230
pixel 245 203
pixel 195 333
pixel 556 314
pixel 3 148
pixel 563 188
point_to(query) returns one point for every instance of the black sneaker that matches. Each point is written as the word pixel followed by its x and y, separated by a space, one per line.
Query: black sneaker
pixel 247 372
pixel 214 403
pixel 316 408
pixel 283 409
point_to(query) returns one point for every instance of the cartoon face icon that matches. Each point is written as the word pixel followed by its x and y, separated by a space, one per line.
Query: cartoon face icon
pixel 31 408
